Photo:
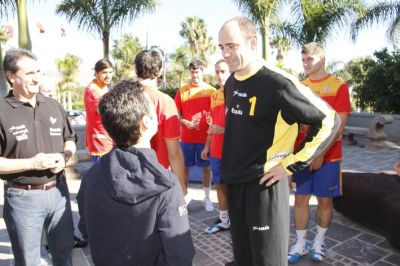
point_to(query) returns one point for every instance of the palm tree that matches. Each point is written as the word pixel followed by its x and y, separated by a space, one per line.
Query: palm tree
pixel 101 16
pixel 380 12
pixel 264 13
pixel 5 35
pixel 24 39
pixel 200 44
pixel 69 69
pixel 124 53
pixel 178 67
pixel 282 46
pixel 316 20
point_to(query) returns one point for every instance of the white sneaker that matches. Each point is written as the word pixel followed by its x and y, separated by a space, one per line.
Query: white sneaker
pixel 318 251
pixel 297 251
pixel 208 205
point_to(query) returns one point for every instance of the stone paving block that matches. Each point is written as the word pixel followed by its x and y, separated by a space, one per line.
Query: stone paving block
pixel 340 232
pixel 370 238
pixel 382 263
pixel 202 259
pixel 386 245
pixel 395 259
pixel 360 251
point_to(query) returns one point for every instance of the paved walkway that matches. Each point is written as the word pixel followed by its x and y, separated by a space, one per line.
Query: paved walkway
pixel 348 242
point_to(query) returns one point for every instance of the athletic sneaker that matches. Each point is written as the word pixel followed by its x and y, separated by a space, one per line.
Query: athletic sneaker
pixel 208 205
pixel 318 251
pixel 218 226
pixel 296 252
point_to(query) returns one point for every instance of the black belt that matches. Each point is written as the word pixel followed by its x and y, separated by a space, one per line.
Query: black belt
pixel 46 186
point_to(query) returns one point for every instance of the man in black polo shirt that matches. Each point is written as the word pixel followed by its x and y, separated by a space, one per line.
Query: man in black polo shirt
pixel 36 140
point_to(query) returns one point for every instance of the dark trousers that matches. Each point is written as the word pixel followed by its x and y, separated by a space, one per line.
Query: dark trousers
pixel 259 218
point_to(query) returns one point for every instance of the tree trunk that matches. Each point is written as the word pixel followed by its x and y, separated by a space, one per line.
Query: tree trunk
pixel 69 101
pixel 106 43
pixel 265 42
pixel 3 80
pixel 24 39
pixel 64 100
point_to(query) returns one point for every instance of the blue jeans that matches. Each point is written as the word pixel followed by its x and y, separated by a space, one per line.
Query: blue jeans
pixel 28 212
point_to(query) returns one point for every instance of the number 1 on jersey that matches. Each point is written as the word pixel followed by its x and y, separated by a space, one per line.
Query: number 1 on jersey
pixel 252 101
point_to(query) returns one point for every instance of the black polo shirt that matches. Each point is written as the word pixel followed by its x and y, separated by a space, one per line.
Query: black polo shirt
pixel 26 131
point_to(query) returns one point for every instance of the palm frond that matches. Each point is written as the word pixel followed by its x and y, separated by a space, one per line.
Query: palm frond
pixel 7 7
pixel 381 12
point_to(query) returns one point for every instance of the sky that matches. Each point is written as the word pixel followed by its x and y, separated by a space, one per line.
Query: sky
pixel 161 28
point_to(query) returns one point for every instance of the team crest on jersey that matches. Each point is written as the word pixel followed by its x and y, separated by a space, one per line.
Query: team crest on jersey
pixel 237 110
pixel 325 89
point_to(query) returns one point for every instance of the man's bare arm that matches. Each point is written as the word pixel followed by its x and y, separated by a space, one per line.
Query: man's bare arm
pixel 176 160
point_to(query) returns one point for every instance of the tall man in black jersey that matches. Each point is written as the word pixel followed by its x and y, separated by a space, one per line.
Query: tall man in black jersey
pixel 263 108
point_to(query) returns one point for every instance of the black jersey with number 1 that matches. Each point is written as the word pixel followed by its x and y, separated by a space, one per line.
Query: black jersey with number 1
pixel 263 110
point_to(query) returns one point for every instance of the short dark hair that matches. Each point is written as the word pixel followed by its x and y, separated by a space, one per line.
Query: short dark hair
pixel 196 64
pixel 121 110
pixel 148 64
pixel 102 64
pixel 12 57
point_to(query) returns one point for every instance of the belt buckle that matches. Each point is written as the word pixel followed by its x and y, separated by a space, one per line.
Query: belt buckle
pixel 29 187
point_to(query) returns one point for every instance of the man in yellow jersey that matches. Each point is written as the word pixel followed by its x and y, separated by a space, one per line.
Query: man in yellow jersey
pixel 323 177
pixel 214 145
pixel 264 106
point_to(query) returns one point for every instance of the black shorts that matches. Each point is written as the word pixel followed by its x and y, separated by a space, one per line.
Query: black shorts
pixel 260 220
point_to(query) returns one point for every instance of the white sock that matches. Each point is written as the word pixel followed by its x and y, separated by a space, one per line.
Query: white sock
pixel 223 216
pixel 301 236
pixel 320 236
pixel 207 192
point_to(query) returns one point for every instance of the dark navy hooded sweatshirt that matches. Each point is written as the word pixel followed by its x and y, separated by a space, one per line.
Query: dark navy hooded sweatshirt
pixel 134 211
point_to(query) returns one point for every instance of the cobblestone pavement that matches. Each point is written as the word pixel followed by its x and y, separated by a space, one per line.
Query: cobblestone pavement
pixel 348 242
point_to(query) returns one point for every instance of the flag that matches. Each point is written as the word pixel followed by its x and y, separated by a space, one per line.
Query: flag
pixel 40 27
pixel 62 31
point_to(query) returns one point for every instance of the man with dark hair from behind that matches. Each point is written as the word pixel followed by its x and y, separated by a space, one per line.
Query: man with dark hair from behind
pixel 148 64
pixel 133 207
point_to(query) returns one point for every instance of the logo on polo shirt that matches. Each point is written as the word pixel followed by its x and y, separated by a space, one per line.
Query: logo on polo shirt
pixel 20 132
pixel 53 120
pixel 55 131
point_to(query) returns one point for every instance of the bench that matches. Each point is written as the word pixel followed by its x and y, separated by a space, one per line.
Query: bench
pixel 375 133
pixel 349 133
pixel 377 136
